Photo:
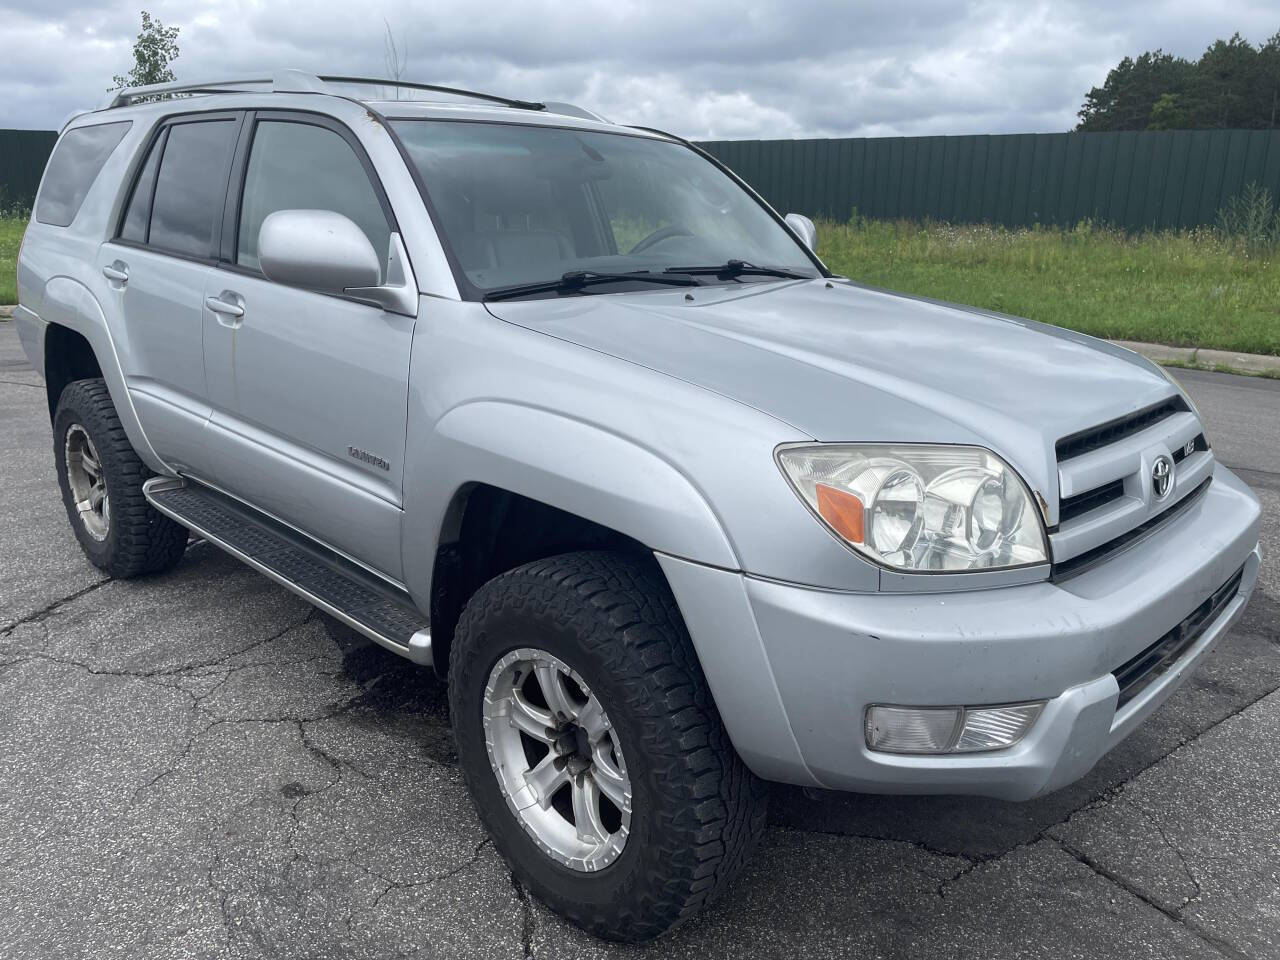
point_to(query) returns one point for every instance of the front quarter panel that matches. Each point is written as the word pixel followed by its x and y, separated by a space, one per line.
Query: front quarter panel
pixel 681 469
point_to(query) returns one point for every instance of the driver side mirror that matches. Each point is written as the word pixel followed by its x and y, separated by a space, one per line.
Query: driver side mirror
pixel 803 228
pixel 326 252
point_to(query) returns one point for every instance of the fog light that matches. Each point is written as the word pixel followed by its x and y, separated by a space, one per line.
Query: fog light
pixel 934 730
pixel 912 729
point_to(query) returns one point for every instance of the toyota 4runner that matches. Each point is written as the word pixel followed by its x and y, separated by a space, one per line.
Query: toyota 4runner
pixel 563 410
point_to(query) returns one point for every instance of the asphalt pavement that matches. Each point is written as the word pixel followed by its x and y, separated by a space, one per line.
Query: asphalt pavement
pixel 202 765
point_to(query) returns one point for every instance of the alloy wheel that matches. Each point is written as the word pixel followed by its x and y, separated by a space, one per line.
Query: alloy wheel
pixel 558 759
pixel 88 482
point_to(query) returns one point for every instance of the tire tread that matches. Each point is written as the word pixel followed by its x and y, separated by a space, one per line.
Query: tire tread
pixel 629 625
pixel 141 540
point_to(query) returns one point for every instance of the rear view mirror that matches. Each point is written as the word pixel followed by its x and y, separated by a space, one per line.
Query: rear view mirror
pixel 324 251
pixel 803 228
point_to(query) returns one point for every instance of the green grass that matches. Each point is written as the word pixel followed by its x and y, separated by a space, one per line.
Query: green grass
pixel 1193 289
pixel 10 237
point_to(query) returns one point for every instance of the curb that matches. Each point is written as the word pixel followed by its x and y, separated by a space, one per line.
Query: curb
pixel 6 312
pixel 1198 358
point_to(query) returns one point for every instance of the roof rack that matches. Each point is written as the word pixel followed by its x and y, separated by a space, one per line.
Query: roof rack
pixel 294 81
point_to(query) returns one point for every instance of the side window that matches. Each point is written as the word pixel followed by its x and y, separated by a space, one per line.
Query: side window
pixel 76 162
pixel 138 215
pixel 190 186
pixel 300 166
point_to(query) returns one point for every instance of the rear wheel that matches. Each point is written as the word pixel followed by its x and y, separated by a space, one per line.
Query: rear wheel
pixel 592 748
pixel 101 477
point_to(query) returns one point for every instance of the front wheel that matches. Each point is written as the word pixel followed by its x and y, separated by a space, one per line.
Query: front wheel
pixel 592 748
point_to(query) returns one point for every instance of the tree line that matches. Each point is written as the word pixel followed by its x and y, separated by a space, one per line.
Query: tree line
pixel 1233 85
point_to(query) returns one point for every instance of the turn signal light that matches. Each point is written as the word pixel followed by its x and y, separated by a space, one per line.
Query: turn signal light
pixel 842 511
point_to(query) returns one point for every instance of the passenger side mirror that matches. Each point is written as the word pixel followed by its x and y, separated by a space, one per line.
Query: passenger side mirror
pixel 317 249
pixel 804 229
pixel 324 251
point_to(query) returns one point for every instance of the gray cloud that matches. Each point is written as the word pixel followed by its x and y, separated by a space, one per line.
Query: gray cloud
pixel 772 68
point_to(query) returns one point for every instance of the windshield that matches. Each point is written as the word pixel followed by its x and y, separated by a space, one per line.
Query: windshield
pixel 527 204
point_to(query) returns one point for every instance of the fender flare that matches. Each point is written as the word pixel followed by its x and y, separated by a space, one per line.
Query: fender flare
pixel 69 303
pixel 564 462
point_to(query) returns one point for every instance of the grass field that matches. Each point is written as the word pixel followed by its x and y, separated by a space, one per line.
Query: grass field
pixel 1184 289
pixel 10 237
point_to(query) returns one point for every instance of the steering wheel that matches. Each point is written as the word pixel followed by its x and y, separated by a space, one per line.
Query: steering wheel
pixel 662 233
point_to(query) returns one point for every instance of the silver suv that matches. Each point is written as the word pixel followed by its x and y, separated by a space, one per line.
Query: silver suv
pixel 564 410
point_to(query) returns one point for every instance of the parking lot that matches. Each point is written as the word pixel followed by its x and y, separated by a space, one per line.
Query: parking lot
pixel 201 765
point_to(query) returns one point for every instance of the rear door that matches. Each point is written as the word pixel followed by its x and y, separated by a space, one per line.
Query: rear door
pixel 309 391
pixel 156 268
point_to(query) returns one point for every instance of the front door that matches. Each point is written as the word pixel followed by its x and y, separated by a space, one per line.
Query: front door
pixel 308 391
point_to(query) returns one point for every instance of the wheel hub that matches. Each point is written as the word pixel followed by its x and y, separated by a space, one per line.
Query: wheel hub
pixel 87 482
pixel 557 759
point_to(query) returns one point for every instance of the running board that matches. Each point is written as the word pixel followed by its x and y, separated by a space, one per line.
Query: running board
pixel 336 585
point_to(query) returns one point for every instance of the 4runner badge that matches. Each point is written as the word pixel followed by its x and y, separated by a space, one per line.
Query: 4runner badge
pixel 373 460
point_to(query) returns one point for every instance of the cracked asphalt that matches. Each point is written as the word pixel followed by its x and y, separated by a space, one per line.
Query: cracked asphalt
pixel 201 765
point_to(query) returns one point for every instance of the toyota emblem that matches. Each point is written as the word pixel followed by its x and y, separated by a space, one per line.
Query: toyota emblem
pixel 1162 477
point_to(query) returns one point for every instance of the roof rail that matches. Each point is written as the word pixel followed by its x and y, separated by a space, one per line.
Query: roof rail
pixel 292 81
pixel 436 88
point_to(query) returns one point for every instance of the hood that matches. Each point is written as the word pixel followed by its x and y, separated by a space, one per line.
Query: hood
pixel 843 362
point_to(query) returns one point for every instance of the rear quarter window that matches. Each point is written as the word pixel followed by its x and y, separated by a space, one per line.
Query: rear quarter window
pixel 76 162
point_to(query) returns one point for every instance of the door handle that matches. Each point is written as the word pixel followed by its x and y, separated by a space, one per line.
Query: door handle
pixel 116 272
pixel 224 307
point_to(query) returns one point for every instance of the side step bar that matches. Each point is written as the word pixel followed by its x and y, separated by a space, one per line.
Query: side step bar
pixel 337 586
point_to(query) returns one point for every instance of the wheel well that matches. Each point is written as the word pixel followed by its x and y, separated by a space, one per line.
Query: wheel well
pixel 491 531
pixel 67 357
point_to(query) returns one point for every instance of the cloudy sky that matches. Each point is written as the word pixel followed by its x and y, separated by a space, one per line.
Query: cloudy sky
pixel 718 69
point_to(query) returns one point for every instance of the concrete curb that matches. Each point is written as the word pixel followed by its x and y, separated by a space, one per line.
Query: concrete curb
pixel 1197 358
pixel 6 313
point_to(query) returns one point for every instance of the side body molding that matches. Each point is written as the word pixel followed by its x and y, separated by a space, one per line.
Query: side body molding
pixel 71 304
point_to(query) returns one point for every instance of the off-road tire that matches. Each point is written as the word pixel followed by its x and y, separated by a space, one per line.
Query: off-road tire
pixel 697 811
pixel 139 539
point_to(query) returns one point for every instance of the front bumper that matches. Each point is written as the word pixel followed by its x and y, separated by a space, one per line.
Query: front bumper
pixel 793 669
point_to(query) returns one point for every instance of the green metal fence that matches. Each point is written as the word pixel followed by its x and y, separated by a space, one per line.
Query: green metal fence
pixel 23 154
pixel 1135 180
pixel 1177 178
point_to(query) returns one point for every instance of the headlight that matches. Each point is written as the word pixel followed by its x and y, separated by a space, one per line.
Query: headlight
pixel 917 507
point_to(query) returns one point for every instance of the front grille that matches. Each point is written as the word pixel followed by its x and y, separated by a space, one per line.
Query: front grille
pixel 1082 503
pixel 1078 444
pixel 1154 662
pixel 1106 500
pixel 1079 563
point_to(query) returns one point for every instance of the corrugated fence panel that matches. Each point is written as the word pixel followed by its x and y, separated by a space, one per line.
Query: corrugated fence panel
pixel 23 154
pixel 1133 180
pixel 1148 180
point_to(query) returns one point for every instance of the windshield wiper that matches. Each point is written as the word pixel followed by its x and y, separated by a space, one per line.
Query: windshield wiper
pixel 577 279
pixel 739 268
